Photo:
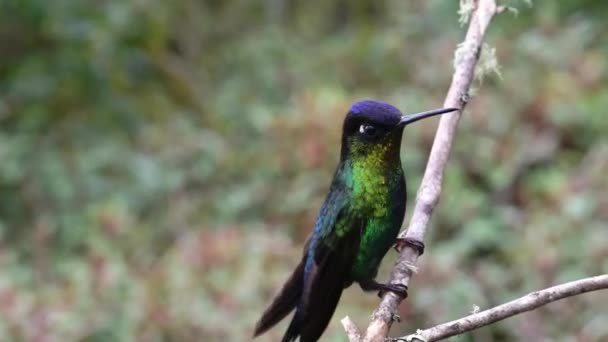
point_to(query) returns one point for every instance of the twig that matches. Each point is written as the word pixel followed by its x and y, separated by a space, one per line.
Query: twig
pixel 430 188
pixel 351 329
pixel 528 302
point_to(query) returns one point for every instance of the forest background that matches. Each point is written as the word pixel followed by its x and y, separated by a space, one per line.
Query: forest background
pixel 162 162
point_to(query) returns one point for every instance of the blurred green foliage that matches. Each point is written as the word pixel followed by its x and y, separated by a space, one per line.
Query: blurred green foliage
pixel 163 161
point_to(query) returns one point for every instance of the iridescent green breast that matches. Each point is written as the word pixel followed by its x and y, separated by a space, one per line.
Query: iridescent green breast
pixel 378 191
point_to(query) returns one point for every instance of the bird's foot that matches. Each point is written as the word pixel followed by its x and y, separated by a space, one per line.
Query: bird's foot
pixel 398 289
pixel 372 285
pixel 416 244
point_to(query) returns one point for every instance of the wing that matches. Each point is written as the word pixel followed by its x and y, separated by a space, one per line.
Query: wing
pixel 333 216
pixel 331 254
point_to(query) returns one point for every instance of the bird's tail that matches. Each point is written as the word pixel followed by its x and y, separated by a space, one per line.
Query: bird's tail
pixel 293 330
pixel 312 314
pixel 314 295
pixel 322 290
pixel 283 303
pixel 309 326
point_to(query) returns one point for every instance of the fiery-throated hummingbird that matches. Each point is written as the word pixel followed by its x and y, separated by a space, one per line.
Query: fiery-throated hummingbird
pixel 357 224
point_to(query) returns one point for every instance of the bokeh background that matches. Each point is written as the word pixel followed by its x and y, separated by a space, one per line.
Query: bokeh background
pixel 162 162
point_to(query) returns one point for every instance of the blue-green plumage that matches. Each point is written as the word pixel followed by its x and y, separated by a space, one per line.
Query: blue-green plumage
pixel 357 224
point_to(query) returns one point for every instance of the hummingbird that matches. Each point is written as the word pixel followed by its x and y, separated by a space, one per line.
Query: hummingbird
pixel 357 224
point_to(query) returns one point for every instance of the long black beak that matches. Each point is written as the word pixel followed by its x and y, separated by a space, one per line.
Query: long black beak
pixel 408 119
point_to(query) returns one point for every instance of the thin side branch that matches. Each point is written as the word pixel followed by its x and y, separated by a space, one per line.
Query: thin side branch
pixel 351 329
pixel 528 302
pixel 430 188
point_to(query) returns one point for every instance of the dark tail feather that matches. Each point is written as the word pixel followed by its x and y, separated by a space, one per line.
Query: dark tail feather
pixel 310 327
pixel 293 331
pixel 314 326
pixel 326 281
pixel 284 302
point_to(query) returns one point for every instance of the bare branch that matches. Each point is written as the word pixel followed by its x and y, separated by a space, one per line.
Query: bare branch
pixel 528 302
pixel 353 333
pixel 430 188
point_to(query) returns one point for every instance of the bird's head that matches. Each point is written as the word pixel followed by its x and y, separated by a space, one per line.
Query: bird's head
pixel 373 129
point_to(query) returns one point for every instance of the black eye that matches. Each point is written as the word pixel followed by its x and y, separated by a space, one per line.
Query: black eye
pixel 368 130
